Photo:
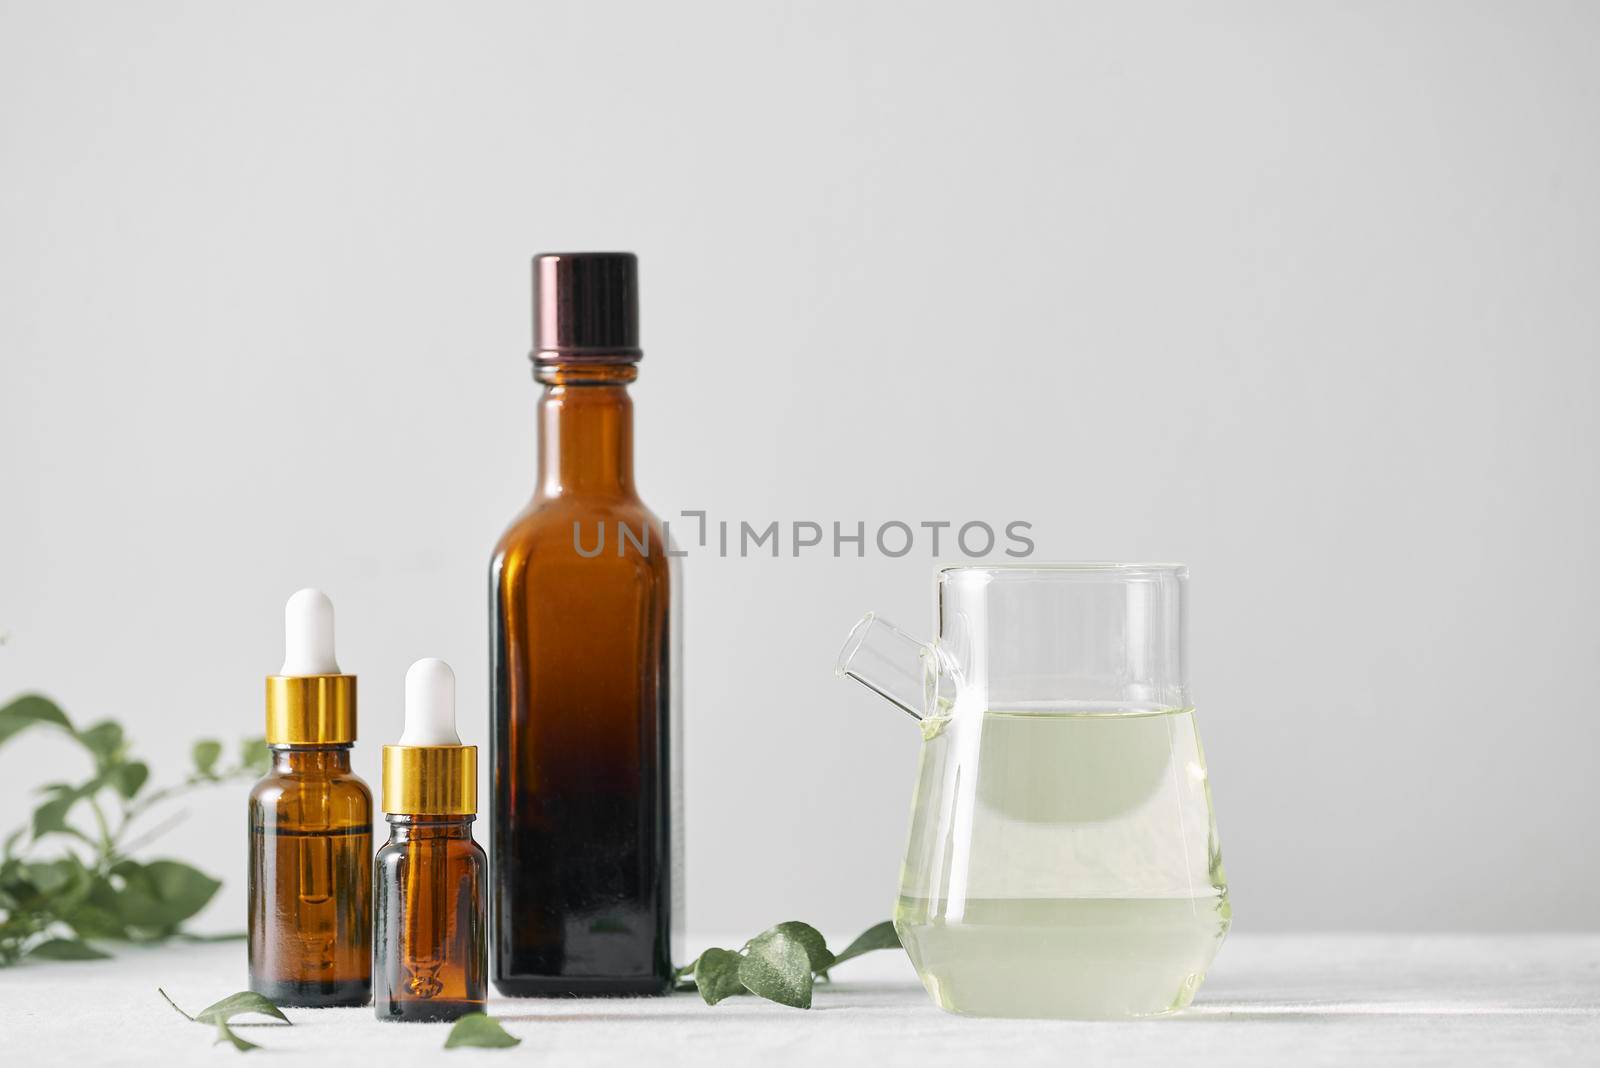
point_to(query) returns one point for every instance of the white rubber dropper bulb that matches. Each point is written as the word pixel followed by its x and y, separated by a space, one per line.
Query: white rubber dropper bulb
pixel 308 635
pixel 430 704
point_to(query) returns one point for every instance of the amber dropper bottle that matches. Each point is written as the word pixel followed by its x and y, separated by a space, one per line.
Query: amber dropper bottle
pixel 432 948
pixel 311 828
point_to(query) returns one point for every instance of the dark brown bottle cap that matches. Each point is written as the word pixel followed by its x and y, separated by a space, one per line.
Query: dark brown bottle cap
pixel 586 307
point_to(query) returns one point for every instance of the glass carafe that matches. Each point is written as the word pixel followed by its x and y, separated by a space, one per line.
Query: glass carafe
pixel 1063 857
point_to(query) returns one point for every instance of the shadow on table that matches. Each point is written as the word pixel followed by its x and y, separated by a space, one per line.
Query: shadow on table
pixel 886 997
pixel 656 1018
pixel 1338 1011
pixel 686 1006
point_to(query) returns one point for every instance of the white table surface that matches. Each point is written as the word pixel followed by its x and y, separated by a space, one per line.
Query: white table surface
pixel 1270 1000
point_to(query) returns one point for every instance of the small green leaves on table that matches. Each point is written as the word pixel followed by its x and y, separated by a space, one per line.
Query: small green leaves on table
pixel 775 967
pixel 244 1003
pixel 810 939
pixel 716 974
pixel 780 964
pixel 479 1030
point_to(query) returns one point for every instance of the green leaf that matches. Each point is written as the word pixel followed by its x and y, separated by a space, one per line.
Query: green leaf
pixel 157 897
pixel 226 1034
pixel 477 1029
pixel 98 914
pixel 183 889
pixel 51 817
pixel 240 1004
pixel 104 739
pixel 206 752
pixel 96 917
pixel 219 1013
pixel 716 975
pixel 66 949
pixel 254 754
pixel 878 936
pixel 808 936
pixel 771 964
pixel 777 968
pixel 129 778
pixel 62 880
pixel 29 710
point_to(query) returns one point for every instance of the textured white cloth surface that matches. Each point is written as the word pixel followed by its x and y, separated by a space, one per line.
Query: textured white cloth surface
pixel 1270 1000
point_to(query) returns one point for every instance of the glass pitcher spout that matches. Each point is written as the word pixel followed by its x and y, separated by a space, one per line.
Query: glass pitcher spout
pixel 913 675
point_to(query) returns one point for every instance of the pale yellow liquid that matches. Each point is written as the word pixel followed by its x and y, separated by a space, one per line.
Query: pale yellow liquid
pixel 1063 865
pixel 1080 957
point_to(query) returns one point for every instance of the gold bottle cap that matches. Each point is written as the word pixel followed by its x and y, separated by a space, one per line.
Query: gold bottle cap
pixel 430 780
pixel 311 709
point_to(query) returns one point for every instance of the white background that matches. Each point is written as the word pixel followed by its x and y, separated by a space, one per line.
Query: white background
pixel 1303 295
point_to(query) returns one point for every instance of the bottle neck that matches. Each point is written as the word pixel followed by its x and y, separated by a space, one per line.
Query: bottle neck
pixel 586 430
pixel 410 828
pixel 300 759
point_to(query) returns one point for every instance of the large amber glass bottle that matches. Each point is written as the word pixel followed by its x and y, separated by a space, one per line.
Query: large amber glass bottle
pixel 582 831
pixel 310 885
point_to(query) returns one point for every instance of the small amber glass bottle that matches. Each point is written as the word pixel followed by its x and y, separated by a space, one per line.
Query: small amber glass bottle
pixel 310 884
pixel 429 881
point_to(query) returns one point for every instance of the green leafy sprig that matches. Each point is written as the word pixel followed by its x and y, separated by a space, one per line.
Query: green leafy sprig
pixel 91 889
pixel 222 1012
pixel 781 964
